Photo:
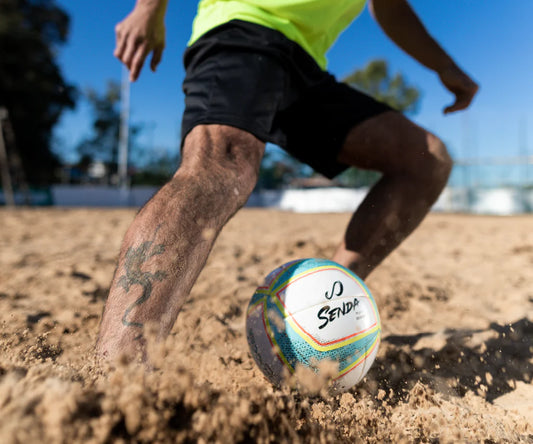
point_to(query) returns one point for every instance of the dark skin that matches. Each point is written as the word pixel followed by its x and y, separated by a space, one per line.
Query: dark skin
pixel 169 241
pixel 404 28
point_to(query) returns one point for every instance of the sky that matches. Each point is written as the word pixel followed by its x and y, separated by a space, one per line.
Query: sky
pixel 491 40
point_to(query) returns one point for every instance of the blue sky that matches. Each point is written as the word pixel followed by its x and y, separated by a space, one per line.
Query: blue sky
pixel 492 40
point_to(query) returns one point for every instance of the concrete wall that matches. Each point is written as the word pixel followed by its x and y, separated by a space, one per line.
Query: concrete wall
pixel 100 196
pixel 498 201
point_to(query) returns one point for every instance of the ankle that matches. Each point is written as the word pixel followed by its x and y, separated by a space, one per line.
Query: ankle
pixel 354 262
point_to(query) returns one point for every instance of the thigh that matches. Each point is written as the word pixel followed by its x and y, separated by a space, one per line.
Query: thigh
pixel 233 78
pixel 317 124
pixel 389 143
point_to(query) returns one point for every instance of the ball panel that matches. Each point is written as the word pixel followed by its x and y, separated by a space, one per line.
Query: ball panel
pixel 274 275
pixel 317 285
pixel 296 349
pixel 261 345
pixel 354 373
pixel 335 323
pixel 259 297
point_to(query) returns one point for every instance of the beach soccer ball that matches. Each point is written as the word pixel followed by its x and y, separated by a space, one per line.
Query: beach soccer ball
pixel 308 311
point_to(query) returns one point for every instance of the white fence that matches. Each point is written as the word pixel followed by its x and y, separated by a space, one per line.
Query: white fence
pixel 497 201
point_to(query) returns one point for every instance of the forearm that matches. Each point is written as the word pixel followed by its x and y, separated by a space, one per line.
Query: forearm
pixel 405 29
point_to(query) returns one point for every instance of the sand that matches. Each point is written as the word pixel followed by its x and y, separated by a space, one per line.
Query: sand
pixel 455 363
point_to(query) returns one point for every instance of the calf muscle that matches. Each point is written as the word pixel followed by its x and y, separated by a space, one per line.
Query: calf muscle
pixel 169 241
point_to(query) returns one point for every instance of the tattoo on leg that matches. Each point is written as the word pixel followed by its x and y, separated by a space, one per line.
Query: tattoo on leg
pixel 135 258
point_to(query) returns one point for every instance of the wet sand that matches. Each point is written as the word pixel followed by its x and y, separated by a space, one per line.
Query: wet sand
pixel 455 363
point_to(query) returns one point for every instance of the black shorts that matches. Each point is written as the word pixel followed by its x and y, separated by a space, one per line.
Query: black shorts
pixel 253 78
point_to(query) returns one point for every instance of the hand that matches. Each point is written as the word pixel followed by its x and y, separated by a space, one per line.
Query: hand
pixel 461 85
pixel 139 34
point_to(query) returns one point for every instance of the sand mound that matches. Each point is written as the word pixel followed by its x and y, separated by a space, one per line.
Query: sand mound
pixel 455 364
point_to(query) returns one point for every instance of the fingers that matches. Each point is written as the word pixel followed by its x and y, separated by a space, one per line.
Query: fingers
pixel 459 104
pixel 139 57
pixel 156 57
pixel 137 61
pixel 450 109
pixel 462 87
pixel 463 98
pixel 125 47
pixel 132 48
pixel 132 51
pixel 140 33
pixel 120 44
pixel 455 107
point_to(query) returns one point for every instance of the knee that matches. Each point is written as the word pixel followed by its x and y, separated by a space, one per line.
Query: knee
pixel 233 185
pixel 432 165
pixel 439 162
pixel 225 160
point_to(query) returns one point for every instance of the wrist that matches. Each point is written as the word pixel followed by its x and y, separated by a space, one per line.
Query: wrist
pixel 445 65
pixel 158 6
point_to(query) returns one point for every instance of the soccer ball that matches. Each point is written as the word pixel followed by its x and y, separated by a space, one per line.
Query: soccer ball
pixel 308 311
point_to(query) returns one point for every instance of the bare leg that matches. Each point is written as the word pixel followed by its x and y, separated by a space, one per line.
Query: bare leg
pixel 415 167
pixel 168 243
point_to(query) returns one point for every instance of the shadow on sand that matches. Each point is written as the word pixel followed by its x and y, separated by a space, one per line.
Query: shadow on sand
pixel 488 362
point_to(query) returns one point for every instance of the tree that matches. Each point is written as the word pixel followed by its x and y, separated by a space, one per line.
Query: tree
pixel 102 144
pixel 375 80
pixel 32 87
pixel 278 169
pixel 158 170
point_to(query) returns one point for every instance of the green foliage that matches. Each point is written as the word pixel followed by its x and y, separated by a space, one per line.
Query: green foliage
pixel 32 87
pixel 356 178
pixel 375 80
pixel 157 171
pixel 102 144
pixel 278 169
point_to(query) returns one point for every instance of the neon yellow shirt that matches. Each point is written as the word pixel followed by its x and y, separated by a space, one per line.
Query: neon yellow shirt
pixel 313 24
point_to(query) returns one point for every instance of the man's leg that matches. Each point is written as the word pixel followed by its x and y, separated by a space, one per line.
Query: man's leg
pixel 168 243
pixel 415 167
